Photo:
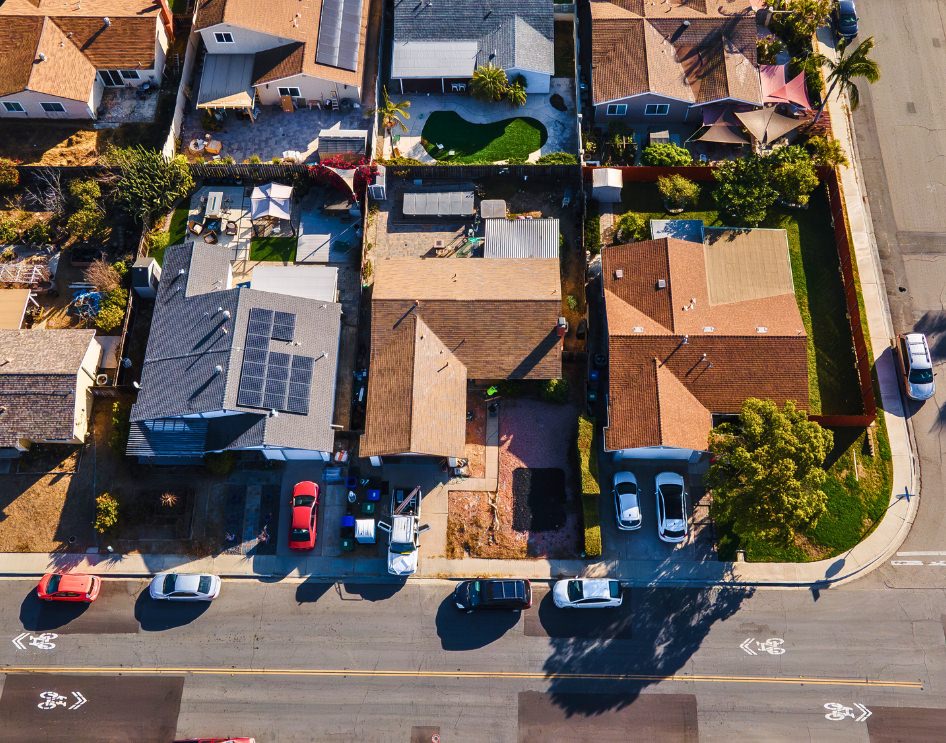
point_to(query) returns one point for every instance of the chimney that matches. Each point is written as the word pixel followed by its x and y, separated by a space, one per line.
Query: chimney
pixel 661 283
pixel 618 273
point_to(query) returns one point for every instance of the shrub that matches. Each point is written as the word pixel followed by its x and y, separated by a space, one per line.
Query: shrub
pixel 9 231
pixel 112 311
pixel 85 224
pixel 678 192
pixel 220 464
pixel 254 160
pixel 571 302
pixel 557 158
pixel 666 154
pixel 38 233
pixel 827 152
pixel 85 193
pixel 401 161
pixel 555 390
pixel 592 524
pixel 118 437
pixel 158 242
pixel 768 48
pixel 106 513
pixel 744 192
pixel 149 183
pixel 793 174
pixel 9 175
pixel 102 275
pixel 593 231
pixel 587 456
pixel 630 226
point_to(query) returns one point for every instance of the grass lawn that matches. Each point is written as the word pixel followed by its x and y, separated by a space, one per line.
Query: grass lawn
pixel 832 375
pixel 281 249
pixel 481 143
pixel 564 49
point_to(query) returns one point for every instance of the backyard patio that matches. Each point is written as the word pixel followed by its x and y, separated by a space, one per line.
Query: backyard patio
pixel 221 215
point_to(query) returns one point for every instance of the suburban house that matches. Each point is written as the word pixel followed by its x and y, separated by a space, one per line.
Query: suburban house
pixel 57 57
pixel 304 51
pixel 437 45
pixel 664 62
pixel 235 368
pixel 46 378
pixel 695 327
pixel 439 325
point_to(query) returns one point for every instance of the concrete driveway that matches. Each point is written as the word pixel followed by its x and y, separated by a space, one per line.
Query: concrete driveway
pixel 644 544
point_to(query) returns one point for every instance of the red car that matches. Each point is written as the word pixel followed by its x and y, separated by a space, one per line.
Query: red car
pixel 305 502
pixel 69 587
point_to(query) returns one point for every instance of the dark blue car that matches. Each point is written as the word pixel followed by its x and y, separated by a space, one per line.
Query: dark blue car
pixel 844 17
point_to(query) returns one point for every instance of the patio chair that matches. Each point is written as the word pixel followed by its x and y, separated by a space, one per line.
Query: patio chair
pixel 231 228
pixel 194 226
pixel 210 238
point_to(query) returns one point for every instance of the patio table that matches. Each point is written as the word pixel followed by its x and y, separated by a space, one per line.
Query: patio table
pixel 214 204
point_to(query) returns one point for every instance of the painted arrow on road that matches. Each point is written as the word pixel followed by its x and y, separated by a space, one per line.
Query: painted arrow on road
pixel 746 644
pixel 18 641
pixel 865 713
pixel 80 700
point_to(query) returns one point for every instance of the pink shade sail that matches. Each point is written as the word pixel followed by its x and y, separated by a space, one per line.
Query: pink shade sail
pixel 775 89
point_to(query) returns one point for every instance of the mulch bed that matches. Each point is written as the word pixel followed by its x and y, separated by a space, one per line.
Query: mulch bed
pixel 538 499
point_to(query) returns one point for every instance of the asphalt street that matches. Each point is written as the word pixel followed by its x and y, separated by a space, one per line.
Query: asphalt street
pixel 320 661
pixel 901 140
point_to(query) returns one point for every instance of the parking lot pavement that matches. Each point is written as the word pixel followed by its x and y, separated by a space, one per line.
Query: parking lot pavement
pixel 644 544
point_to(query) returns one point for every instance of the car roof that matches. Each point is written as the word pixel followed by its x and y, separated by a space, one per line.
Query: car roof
pixel 75 582
pixel 187 582
pixel 919 351
pixel 301 516
pixel 597 588
pixel 504 589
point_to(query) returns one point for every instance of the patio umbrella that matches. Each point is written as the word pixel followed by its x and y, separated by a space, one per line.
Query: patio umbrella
pixel 765 125
pixel 723 133
pixel 271 200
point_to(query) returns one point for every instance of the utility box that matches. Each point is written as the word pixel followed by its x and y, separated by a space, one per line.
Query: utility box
pixel 145 277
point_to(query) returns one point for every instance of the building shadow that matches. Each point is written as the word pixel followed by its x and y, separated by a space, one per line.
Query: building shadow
pixel 37 615
pixel 157 616
pixel 311 591
pixel 461 631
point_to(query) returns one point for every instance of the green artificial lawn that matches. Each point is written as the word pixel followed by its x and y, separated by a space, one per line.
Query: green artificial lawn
pixel 281 249
pixel 834 387
pixel 177 230
pixel 481 143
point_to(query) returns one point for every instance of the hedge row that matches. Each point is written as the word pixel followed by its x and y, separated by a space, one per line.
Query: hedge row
pixel 590 490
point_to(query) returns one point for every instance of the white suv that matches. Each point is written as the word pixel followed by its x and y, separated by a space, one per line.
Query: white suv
pixel 916 365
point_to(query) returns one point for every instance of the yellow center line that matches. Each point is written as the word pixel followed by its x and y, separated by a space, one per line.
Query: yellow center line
pixel 354 673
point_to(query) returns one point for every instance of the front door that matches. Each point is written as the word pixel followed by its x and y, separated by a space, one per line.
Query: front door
pixel 112 78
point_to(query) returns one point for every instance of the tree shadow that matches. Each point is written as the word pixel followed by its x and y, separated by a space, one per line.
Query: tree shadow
pixel 461 631
pixel 374 591
pixel 311 591
pixel 39 615
pixel 653 637
pixel 157 616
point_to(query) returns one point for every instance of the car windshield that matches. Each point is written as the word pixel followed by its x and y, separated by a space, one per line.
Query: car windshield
pixel 674 533
pixel 626 487
pixel 300 535
pixel 921 376
pixel 303 500
pixel 575 592
pixel 614 589
pixel 402 548
pixel 53 584
pixel 203 586
pixel 673 500
pixel 169 583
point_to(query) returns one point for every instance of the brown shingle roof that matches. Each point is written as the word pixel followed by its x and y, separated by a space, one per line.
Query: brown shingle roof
pixel 297 20
pixel 127 44
pixel 278 63
pixel 637 48
pixel 19 38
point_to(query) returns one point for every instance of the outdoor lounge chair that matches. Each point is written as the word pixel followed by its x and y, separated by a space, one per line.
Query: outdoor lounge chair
pixel 194 226
pixel 231 228
pixel 210 238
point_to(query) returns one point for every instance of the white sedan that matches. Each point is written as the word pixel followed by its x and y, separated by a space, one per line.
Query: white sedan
pixel 671 508
pixel 184 587
pixel 587 593
pixel 627 501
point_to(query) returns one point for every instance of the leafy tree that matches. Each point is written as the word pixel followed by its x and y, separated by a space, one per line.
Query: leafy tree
pixel 828 152
pixel 768 48
pixel 393 113
pixel 767 476
pixel 847 67
pixel 489 83
pixel 9 175
pixel 557 158
pixel 678 192
pixel 106 513
pixel 667 154
pixel 149 183
pixel 85 193
pixel 38 233
pixel 112 310
pixel 801 18
pixel 86 224
pixel 744 191
pixel 793 174
pixel 516 94
pixel 630 226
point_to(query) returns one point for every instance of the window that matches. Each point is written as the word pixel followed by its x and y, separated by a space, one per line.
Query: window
pixel 656 109
pixel 12 107
pixel 223 37
pixel 53 107
pixel 131 75
pixel 292 92
pixel 617 109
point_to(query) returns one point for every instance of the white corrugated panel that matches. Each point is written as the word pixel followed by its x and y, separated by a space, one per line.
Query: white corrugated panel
pixel 521 238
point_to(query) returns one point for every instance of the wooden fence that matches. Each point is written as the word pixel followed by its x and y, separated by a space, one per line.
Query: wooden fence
pixel 472 172
pixel 650 173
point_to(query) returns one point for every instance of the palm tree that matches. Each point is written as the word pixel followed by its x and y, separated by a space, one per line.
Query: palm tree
pixel 393 113
pixel 516 94
pixel 489 83
pixel 848 66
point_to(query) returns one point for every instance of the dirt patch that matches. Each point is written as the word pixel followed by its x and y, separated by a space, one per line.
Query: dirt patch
pixel 538 499
pixel 533 435
pixel 475 450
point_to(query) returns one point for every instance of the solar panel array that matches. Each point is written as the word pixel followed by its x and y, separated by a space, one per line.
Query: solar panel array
pixel 339 34
pixel 273 380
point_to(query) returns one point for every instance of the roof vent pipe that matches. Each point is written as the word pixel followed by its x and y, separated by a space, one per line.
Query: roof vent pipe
pixel 686 24
pixel 41 57
pixel 107 21
pixel 218 369
pixel 226 314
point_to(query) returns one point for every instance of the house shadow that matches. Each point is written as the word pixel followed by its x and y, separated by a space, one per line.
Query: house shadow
pixel 157 616
pixel 652 637
pixel 458 630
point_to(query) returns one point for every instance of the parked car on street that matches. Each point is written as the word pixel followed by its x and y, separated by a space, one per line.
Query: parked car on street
pixel 587 593
pixel 492 593
pixel 671 508
pixel 69 587
pixel 916 366
pixel 304 504
pixel 627 501
pixel 844 19
pixel 184 587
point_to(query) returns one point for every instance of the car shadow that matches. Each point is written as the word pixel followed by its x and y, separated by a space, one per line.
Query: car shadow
pixel 311 591
pixel 157 616
pixel 461 631
pixel 39 615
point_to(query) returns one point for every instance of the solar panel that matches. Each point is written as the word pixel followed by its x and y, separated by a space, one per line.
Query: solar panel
pixel 298 405
pixel 250 398
pixel 258 342
pixel 301 369
pixel 279 359
pixel 284 326
pixel 339 34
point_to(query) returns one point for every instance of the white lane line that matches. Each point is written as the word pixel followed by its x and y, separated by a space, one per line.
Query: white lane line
pixel 921 554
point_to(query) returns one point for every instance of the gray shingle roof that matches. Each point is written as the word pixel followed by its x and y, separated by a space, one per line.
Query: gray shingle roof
pixel 509 33
pixel 38 370
pixel 192 335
